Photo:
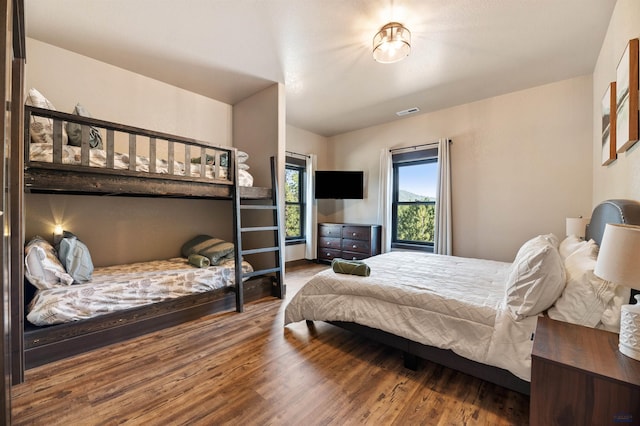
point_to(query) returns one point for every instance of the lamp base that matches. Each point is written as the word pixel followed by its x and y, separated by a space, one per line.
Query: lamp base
pixel 629 341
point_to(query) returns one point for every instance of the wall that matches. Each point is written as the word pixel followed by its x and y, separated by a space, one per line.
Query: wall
pixel 118 229
pixel 303 142
pixel 521 164
pixel 620 179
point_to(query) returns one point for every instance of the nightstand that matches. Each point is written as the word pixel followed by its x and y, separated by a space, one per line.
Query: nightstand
pixel 578 377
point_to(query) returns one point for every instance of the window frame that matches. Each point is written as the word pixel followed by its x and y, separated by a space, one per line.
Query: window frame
pixel 426 156
pixel 298 165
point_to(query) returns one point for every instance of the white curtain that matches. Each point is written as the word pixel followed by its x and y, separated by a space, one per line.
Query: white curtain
pixel 443 239
pixel 311 209
pixel 384 199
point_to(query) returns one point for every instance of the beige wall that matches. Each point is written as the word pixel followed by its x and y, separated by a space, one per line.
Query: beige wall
pixel 521 163
pixel 620 179
pixel 119 229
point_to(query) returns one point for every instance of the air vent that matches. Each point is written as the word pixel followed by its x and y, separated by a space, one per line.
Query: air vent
pixel 408 111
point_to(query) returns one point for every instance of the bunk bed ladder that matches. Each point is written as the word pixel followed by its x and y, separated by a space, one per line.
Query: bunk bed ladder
pixel 241 205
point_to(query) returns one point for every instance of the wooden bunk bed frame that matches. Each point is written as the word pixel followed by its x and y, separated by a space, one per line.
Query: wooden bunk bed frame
pixel 610 211
pixel 44 344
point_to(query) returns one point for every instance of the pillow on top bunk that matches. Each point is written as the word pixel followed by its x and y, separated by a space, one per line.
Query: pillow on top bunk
pixel 215 249
pixel 75 257
pixel 585 296
pixel 42 267
pixel 536 277
pixel 40 128
pixel 74 130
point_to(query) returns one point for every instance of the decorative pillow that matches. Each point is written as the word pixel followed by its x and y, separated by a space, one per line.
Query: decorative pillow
pixel 570 245
pixel 75 257
pixel 536 277
pixel 215 249
pixel 42 267
pixel 585 296
pixel 74 130
pixel 40 128
pixel 242 157
pixel 610 319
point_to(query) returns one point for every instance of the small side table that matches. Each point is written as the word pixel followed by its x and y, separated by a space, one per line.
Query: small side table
pixel 578 376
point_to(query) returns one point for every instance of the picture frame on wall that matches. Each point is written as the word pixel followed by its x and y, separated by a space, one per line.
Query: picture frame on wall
pixel 627 97
pixel 609 154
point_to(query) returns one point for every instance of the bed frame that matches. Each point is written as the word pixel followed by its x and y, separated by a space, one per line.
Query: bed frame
pixel 611 211
pixel 40 345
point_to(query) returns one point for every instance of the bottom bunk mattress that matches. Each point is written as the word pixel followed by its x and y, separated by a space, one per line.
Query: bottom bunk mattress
pixel 443 301
pixel 116 288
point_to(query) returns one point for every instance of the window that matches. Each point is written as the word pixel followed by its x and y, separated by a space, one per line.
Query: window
pixel 415 177
pixel 294 197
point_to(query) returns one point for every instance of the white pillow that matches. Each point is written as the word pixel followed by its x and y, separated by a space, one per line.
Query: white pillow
pixel 585 296
pixel 42 267
pixel 570 244
pixel 610 319
pixel 40 128
pixel 536 277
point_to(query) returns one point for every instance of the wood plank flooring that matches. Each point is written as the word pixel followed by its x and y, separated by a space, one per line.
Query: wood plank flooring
pixel 247 369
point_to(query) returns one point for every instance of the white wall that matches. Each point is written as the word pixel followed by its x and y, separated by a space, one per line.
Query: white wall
pixel 118 229
pixel 521 164
pixel 620 179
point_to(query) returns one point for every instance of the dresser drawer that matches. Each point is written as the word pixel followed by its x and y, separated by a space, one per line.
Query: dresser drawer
pixel 326 242
pixel 352 255
pixel 360 246
pixel 356 232
pixel 328 254
pixel 334 231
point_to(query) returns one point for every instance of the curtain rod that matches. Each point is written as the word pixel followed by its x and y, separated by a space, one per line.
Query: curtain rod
pixel 417 146
pixel 298 154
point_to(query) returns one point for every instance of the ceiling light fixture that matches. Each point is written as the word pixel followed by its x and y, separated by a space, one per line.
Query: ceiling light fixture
pixel 392 43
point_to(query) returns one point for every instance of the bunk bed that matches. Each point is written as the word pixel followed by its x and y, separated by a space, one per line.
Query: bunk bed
pixel 456 311
pixel 107 158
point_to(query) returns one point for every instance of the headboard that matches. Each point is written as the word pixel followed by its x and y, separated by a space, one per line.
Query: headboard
pixel 613 211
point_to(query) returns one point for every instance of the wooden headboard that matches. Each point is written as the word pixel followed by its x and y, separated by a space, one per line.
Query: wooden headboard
pixel 613 211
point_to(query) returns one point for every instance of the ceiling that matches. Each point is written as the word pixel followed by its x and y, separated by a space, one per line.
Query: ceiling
pixel 462 50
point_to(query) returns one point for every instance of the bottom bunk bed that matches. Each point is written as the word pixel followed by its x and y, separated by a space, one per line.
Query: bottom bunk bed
pixel 465 313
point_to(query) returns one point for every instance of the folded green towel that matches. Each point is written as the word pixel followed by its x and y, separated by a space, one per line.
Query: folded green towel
pixel 352 267
pixel 199 261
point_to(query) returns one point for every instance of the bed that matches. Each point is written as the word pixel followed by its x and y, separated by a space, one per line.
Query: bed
pixel 77 154
pixel 476 316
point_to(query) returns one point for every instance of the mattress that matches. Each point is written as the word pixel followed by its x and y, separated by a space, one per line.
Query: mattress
pixel 443 301
pixel 71 155
pixel 121 287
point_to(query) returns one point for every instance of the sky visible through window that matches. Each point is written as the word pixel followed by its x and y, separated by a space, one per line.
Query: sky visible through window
pixel 419 179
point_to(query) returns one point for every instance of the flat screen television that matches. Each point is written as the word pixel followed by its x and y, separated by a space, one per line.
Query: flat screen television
pixel 342 185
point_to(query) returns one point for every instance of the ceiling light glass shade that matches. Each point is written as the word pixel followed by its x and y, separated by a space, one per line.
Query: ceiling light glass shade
pixel 392 43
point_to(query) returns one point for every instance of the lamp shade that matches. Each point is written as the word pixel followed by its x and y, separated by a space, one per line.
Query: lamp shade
pixel 577 226
pixel 392 43
pixel 619 256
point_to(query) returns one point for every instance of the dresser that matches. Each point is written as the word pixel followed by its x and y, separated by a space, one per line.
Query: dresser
pixel 579 377
pixel 347 241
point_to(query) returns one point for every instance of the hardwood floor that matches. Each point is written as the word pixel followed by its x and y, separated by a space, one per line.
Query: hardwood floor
pixel 248 369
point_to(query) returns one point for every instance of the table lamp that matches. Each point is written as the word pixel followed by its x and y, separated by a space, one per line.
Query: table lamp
pixel 619 262
pixel 577 226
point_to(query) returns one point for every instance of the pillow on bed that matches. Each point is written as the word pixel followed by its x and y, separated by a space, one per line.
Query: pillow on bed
pixel 585 296
pixel 74 256
pixel 41 128
pixel 215 249
pixel 42 267
pixel 569 245
pixel 610 319
pixel 536 277
pixel 74 130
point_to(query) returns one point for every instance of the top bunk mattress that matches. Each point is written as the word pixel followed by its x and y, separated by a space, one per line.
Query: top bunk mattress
pixel 116 288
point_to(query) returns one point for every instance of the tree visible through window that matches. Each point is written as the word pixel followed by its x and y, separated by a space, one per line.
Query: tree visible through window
pixel 294 201
pixel 414 198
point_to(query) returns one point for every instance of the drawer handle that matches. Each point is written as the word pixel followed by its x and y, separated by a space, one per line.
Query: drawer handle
pixel 328 254
pixel 354 234
pixel 354 258
pixel 355 246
